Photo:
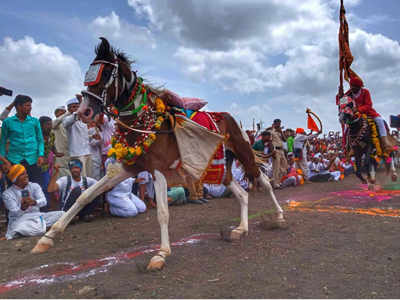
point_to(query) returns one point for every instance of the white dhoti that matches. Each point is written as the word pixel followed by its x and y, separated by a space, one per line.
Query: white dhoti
pixel 123 203
pixel 32 224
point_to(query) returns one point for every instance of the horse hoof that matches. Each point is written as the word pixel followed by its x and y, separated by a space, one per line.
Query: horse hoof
pixel 237 234
pixel 394 177
pixel 156 263
pixel 269 224
pixel 41 248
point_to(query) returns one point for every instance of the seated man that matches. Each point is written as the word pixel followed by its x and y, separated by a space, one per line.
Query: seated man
pixel 23 201
pixel 292 178
pixel 123 203
pixel 146 188
pixel 216 191
pixel 317 169
pixel 69 188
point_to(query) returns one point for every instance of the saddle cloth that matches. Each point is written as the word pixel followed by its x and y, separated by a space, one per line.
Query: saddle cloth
pixel 198 146
pixel 215 171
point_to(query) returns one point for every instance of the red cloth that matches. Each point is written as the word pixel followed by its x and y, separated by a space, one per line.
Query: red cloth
pixel 354 81
pixel 216 170
pixel 364 104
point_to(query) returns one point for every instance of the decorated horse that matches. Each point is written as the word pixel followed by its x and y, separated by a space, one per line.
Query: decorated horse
pixel 362 141
pixel 157 138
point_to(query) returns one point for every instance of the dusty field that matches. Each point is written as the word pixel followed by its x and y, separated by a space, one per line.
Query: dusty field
pixel 322 254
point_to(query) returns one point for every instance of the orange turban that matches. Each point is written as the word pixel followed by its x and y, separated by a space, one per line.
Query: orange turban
pixel 299 130
pixel 15 171
pixel 355 81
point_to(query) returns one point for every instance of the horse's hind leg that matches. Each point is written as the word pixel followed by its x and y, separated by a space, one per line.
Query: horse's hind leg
pixel 160 185
pixel 264 182
pixel 243 198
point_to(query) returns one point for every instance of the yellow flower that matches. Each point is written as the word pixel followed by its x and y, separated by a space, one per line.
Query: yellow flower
pixel 160 106
pixel 161 119
pixel 152 136
pixel 111 152
pixel 138 150
pixel 118 146
pixel 131 150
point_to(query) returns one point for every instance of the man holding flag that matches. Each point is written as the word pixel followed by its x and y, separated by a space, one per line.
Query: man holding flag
pixel 301 138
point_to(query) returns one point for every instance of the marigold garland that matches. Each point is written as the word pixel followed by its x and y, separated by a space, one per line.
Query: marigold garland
pixel 374 137
pixel 128 155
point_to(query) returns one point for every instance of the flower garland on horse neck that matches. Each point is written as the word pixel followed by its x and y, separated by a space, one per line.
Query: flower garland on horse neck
pixel 147 117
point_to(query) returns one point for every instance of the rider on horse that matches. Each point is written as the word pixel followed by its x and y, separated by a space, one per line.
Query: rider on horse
pixel 362 99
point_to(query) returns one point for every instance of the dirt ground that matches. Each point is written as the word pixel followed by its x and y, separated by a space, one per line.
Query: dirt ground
pixel 320 255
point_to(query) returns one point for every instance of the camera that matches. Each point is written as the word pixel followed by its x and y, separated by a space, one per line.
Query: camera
pixel 4 91
pixel 24 193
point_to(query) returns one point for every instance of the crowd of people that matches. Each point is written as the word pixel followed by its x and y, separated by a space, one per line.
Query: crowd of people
pixel 47 163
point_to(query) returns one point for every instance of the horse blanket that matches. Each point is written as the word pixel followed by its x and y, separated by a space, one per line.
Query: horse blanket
pixel 198 146
pixel 215 171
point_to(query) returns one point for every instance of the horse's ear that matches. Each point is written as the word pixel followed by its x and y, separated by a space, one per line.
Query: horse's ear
pixel 104 50
pixel 105 44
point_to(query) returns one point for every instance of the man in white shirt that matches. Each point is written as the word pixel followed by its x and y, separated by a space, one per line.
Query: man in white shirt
pixel 69 188
pixel 23 201
pixel 78 137
pixel 300 151
pixel 61 139
pixel 95 141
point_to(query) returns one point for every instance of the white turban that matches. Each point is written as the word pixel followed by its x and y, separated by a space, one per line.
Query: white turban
pixel 317 155
pixel 72 101
pixel 60 108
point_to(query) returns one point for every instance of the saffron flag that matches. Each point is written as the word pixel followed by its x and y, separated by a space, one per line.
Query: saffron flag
pixel 345 56
pixel 311 124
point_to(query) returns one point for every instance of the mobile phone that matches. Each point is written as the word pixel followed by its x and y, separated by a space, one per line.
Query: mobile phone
pixel 4 91
pixel 25 193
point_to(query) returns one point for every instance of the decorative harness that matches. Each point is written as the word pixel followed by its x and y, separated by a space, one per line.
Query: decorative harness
pixel 147 118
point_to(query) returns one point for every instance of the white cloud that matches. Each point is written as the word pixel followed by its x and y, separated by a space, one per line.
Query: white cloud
pixel 281 48
pixel 122 33
pixel 43 72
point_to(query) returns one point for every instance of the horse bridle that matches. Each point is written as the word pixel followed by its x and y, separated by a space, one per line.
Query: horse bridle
pixel 126 85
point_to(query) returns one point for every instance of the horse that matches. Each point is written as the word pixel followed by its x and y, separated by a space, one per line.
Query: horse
pixel 359 140
pixel 116 90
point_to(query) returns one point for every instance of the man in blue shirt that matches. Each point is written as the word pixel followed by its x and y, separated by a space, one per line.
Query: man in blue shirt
pixel 23 132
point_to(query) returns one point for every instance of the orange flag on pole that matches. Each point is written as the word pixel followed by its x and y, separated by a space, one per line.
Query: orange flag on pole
pixel 311 124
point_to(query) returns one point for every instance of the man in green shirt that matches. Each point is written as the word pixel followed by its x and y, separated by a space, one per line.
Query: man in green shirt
pixel 290 140
pixel 23 132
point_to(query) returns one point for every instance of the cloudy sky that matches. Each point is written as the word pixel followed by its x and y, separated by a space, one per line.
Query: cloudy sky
pixel 261 59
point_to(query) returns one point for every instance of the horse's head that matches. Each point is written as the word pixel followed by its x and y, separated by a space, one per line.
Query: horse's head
pixel 108 81
pixel 346 113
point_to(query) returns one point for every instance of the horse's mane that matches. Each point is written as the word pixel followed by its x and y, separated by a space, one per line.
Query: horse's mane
pixel 104 53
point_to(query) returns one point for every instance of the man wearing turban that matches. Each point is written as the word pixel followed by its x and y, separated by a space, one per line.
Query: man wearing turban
pixel 23 201
pixel 362 98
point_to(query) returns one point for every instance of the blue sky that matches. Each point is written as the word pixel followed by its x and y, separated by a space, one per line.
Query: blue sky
pixel 254 58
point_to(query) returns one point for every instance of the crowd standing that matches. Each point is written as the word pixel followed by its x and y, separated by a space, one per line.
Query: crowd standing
pixel 48 162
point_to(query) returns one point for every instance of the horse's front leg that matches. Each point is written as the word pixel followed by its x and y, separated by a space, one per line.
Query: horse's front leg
pixel 157 262
pixel 115 174
pixel 393 167
pixel 358 166
pixel 243 198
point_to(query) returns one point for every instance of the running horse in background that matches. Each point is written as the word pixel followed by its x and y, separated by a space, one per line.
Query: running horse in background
pixel 362 140
pixel 149 136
